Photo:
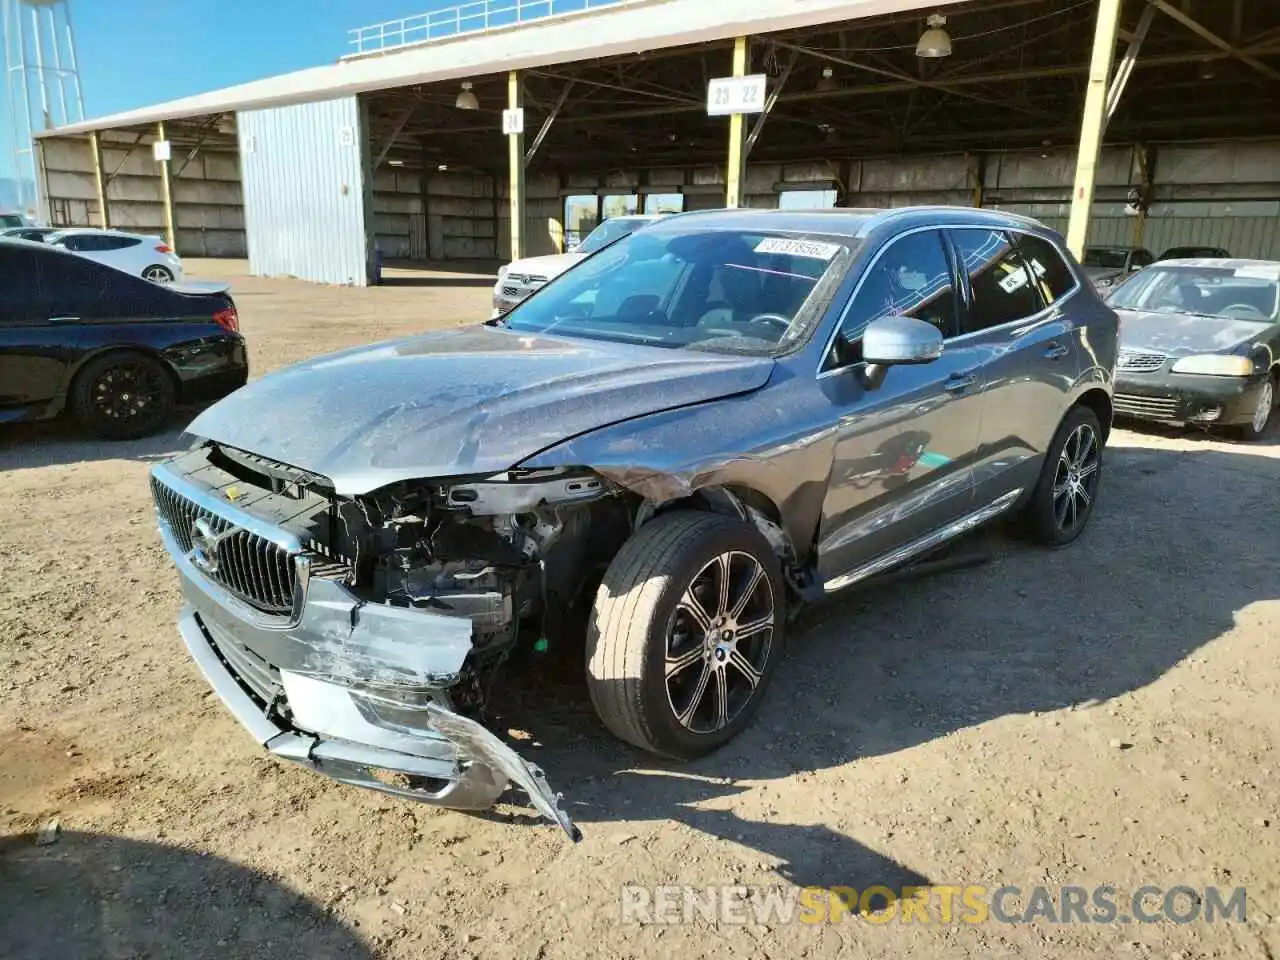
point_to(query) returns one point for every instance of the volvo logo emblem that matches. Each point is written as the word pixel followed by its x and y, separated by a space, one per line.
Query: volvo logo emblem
pixel 204 545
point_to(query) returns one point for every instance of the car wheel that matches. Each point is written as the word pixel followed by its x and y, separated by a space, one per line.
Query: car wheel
pixel 686 630
pixel 1255 428
pixel 1064 496
pixel 158 274
pixel 123 395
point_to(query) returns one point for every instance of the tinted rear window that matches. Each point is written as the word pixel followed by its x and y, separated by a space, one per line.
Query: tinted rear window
pixel 1053 278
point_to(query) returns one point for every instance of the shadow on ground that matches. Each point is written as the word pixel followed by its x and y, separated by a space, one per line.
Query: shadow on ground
pixel 904 663
pixel 433 280
pixel 26 446
pixel 91 895
pixel 454 273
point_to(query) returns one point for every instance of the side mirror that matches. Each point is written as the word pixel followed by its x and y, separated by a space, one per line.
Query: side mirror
pixel 890 341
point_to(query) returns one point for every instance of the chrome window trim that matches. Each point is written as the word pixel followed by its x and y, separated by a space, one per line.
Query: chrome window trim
pixel 1030 322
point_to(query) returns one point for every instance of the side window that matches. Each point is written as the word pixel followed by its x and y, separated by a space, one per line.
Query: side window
pixel 19 285
pixel 1001 285
pixel 646 292
pixel 1053 277
pixel 76 286
pixel 73 242
pixel 1140 259
pixel 912 278
pixel 116 243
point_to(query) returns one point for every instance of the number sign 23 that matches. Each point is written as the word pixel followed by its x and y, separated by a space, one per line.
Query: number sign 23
pixel 729 95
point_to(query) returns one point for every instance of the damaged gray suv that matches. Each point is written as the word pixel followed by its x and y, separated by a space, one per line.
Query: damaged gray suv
pixel 657 458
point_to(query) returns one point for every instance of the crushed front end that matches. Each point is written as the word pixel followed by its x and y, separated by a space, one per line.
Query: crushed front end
pixel 357 635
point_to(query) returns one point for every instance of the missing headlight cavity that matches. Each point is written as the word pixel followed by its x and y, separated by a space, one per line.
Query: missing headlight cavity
pixel 519 554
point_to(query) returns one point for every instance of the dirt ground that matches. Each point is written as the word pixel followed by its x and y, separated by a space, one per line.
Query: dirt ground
pixel 1107 714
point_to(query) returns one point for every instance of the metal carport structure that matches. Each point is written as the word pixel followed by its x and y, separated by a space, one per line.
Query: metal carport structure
pixel 372 150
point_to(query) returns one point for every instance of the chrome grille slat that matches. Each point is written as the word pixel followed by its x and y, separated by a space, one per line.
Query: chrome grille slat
pixel 1159 407
pixel 1135 362
pixel 255 569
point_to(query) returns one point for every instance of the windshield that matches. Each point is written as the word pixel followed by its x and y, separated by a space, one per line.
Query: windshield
pixel 725 291
pixel 608 232
pixel 1240 293
pixel 1104 257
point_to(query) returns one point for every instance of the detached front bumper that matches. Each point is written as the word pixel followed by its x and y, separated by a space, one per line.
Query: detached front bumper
pixel 354 691
pixel 1187 398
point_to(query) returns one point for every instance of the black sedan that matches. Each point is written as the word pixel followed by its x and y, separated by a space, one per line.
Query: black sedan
pixel 114 350
pixel 1200 343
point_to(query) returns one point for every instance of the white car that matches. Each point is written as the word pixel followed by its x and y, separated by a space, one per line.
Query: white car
pixel 519 279
pixel 142 255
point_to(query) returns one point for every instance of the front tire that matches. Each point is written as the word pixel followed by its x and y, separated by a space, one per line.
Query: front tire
pixel 123 395
pixel 1257 428
pixel 1064 496
pixel 686 632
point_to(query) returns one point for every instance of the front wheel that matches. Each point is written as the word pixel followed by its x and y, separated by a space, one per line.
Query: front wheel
pixel 1064 496
pixel 1257 427
pixel 685 634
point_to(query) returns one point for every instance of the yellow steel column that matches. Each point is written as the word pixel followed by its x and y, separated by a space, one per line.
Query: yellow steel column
pixel 515 160
pixel 737 138
pixel 166 193
pixel 99 181
pixel 1095 119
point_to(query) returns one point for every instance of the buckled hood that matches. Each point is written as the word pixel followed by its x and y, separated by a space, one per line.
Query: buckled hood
pixel 471 401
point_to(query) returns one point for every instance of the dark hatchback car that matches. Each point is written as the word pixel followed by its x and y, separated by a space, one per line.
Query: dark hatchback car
pixel 37 234
pixel 1200 344
pixel 116 351
pixel 650 463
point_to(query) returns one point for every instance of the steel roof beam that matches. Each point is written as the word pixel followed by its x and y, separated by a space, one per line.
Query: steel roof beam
pixel 1205 33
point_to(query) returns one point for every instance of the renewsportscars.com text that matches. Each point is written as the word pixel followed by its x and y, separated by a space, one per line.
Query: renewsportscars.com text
pixel 970 903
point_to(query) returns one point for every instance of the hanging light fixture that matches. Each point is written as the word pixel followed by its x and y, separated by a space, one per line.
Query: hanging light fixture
pixel 466 99
pixel 935 41
pixel 827 83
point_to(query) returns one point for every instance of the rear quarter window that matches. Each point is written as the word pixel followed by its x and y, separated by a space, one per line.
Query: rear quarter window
pixel 1053 278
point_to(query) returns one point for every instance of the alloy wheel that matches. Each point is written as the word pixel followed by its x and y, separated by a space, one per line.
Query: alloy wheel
pixel 1266 400
pixel 157 275
pixel 1075 480
pixel 719 641
pixel 127 392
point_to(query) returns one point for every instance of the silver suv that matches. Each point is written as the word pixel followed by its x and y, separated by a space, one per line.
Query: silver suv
pixel 655 458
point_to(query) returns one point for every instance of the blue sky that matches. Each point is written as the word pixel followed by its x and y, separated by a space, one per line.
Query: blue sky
pixel 137 52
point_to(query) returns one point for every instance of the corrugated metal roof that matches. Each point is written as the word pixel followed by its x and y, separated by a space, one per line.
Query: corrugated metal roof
pixel 626 29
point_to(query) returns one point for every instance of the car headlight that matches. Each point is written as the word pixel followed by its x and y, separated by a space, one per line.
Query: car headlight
pixel 1215 365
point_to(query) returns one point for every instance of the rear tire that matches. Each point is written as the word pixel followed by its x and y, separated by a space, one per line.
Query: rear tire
pixel 122 395
pixel 1065 493
pixel 1256 430
pixel 679 654
pixel 158 274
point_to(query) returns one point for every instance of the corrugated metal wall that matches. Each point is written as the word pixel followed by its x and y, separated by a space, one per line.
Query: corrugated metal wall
pixel 302 169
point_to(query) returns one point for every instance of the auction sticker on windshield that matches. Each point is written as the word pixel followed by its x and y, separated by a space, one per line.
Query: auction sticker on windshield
pixel 798 248
pixel 1259 272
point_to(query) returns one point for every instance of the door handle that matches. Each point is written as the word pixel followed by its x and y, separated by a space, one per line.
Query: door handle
pixel 1056 351
pixel 959 382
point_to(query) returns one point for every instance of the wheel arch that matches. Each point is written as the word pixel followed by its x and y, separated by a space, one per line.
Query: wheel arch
pixel 1099 401
pixel 107 350
pixel 742 502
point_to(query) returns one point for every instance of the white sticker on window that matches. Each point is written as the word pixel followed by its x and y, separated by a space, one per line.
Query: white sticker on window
pixel 798 248
pixel 1259 272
